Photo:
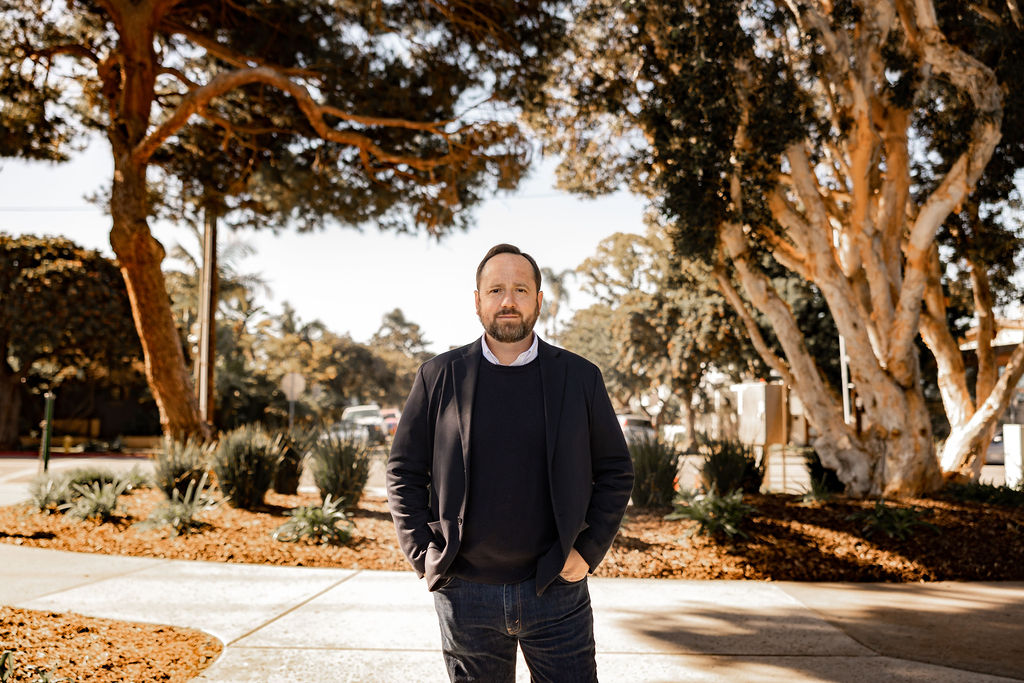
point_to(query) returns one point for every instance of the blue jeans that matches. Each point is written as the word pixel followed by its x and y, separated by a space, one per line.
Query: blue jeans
pixel 482 623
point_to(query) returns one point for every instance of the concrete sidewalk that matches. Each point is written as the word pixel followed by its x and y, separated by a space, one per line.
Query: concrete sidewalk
pixel 302 624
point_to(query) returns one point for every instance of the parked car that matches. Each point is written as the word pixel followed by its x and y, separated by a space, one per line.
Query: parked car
pixel 368 416
pixel 350 431
pixel 995 454
pixel 391 416
pixel 636 427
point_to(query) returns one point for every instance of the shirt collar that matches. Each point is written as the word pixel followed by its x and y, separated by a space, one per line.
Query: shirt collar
pixel 525 357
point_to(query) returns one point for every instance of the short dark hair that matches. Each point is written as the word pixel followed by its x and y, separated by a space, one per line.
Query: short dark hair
pixel 507 249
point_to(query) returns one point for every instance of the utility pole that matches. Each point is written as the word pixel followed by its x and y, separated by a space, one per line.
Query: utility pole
pixel 207 317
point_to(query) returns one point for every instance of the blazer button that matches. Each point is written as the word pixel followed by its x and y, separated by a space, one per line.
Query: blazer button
pixel 460 520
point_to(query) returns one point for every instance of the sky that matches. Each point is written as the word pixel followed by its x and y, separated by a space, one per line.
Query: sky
pixel 342 276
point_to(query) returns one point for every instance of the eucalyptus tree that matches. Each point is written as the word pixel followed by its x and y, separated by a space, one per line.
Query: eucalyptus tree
pixel 865 146
pixel 397 113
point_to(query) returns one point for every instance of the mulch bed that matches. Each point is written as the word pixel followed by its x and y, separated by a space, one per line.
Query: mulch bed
pixel 785 540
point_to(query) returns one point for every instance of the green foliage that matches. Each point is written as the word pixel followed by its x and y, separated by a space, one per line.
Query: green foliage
pixel 48 492
pixel 179 464
pixel 181 512
pixel 326 523
pixel 340 467
pixel 294 447
pixel 985 493
pixel 655 470
pixel 95 501
pixel 64 314
pixel 824 477
pixel 716 515
pixel 729 465
pixel 819 492
pixel 892 520
pixel 244 462
pixel 86 476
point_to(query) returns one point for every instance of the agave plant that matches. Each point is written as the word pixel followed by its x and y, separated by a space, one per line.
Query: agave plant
pixel 326 523
pixel 182 511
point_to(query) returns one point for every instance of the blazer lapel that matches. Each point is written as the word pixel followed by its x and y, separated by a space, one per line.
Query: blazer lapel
pixel 465 369
pixel 552 378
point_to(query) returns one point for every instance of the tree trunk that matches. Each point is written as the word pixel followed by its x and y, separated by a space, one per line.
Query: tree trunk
pixel 10 406
pixel 140 257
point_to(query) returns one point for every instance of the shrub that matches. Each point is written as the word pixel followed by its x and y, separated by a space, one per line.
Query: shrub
pixel 294 446
pixel 244 464
pixel 729 465
pixel 181 512
pixel 826 477
pixel 985 493
pixel 137 478
pixel 179 465
pixel 48 492
pixel 95 501
pixel 819 492
pixel 341 466
pixel 715 514
pixel 326 523
pixel 891 520
pixel 655 470
pixel 86 476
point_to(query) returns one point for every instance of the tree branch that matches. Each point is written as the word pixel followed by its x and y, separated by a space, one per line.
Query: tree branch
pixel 196 100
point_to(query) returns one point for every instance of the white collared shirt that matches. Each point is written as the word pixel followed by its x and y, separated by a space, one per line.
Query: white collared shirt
pixel 524 358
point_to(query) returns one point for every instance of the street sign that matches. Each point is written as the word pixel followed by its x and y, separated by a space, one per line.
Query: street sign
pixel 293 384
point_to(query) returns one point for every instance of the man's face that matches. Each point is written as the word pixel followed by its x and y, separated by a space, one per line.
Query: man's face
pixel 507 301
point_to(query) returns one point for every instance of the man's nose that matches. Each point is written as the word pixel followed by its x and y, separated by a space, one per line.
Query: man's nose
pixel 508 301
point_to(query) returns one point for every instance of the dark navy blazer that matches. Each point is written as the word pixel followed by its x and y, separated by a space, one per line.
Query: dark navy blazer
pixel 589 467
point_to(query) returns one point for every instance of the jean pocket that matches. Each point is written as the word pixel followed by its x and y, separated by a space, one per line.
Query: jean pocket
pixel 566 582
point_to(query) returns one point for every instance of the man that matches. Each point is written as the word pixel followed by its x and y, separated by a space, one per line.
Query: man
pixel 507 481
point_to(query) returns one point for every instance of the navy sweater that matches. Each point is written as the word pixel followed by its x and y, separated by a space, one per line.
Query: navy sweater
pixel 509 522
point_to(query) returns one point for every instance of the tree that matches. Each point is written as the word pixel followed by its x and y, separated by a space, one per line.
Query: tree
pixel 556 295
pixel 362 111
pixel 669 326
pixel 64 313
pixel 860 145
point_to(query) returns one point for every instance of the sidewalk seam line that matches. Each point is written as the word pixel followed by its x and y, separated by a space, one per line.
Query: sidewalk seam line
pixel 293 608
pixel 160 562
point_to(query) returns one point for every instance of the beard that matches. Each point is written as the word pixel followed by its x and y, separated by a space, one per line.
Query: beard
pixel 510 331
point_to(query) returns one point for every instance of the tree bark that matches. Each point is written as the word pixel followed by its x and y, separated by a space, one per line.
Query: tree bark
pixel 140 257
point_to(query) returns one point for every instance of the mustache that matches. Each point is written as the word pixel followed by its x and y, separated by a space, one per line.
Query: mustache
pixel 509 311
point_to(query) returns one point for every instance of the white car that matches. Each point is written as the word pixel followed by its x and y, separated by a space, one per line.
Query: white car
pixel 368 416
pixel 636 427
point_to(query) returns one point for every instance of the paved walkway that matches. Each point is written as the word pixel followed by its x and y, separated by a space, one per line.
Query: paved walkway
pixel 302 624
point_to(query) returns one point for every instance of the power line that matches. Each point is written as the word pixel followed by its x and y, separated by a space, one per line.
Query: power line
pixel 45 209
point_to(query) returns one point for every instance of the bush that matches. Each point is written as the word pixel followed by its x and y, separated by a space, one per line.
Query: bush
pixel 655 470
pixel 715 514
pixel 891 520
pixel 181 512
pixel 244 464
pixel 340 467
pixel 728 466
pixel 48 492
pixel 985 493
pixel 180 465
pixel 288 470
pixel 818 493
pixel 326 523
pixel 86 476
pixel 95 501
pixel 825 477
